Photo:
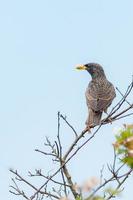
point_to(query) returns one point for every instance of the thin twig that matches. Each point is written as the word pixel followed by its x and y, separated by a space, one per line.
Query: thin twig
pixel 123 96
pixel 39 173
pixel 120 103
pixel 45 153
pixel 73 129
pixel 59 146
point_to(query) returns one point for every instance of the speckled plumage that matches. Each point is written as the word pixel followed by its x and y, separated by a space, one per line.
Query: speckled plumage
pixel 99 94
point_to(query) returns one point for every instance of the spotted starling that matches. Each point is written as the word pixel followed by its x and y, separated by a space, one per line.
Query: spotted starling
pixel 99 93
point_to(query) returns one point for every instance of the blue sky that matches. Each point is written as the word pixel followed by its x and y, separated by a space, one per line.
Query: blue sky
pixel 40 43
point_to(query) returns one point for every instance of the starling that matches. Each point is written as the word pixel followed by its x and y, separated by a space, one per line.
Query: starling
pixel 99 93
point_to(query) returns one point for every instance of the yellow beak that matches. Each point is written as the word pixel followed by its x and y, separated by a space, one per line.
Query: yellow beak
pixel 81 67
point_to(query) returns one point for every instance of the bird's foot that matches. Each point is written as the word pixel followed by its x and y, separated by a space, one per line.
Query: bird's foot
pixel 88 128
pixel 110 120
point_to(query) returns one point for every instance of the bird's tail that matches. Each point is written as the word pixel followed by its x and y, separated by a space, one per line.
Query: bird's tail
pixel 94 118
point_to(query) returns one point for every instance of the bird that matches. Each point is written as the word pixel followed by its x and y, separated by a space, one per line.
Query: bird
pixel 99 93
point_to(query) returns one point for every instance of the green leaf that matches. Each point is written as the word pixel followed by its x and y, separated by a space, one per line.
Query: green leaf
pixel 79 198
pixel 128 161
pixel 121 151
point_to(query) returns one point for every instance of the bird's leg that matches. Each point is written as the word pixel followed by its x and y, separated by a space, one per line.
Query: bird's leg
pixel 88 126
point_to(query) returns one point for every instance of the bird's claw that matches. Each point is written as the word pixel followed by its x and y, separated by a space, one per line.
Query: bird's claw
pixel 88 128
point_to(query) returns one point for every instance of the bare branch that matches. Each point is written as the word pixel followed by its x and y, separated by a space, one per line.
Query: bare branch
pixel 63 158
pixel 29 184
pixel 120 184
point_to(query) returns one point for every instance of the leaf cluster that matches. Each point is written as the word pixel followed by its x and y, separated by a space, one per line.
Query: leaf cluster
pixel 124 145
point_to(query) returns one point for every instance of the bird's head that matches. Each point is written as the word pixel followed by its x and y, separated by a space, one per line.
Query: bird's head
pixel 94 69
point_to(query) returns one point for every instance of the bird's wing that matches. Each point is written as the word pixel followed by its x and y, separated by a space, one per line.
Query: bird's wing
pixel 99 96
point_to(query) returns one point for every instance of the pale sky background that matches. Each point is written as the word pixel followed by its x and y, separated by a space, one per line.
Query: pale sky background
pixel 40 43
